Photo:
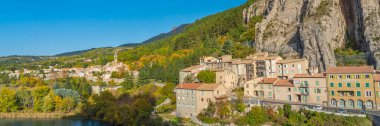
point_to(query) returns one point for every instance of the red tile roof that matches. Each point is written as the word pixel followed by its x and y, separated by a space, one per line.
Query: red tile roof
pixel 309 76
pixel 208 87
pixel 285 83
pixel 268 81
pixel 376 77
pixel 192 86
pixel 348 70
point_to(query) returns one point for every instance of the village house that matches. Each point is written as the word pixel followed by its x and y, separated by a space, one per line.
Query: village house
pixel 377 89
pixel 310 88
pixel 190 73
pixel 227 78
pixel 289 67
pixel 351 87
pixel 192 98
pixel 283 90
pixel 264 65
pixel 264 88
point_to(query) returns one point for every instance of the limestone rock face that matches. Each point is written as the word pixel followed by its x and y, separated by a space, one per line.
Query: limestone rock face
pixel 313 29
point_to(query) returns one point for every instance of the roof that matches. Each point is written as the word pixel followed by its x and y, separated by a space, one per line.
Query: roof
pixel 206 59
pixel 349 70
pixel 192 86
pixel 189 69
pixel 268 81
pixel 243 62
pixel 290 61
pixel 285 83
pixel 208 87
pixel 267 58
pixel 376 77
pixel 309 76
pixel 198 86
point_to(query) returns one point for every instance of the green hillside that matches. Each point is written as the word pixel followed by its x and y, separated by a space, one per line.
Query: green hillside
pixel 221 33
pixel 161 59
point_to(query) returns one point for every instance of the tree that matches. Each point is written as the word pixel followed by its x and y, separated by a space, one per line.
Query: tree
pixel 38 94
pixel 24 98
pixel 227 48
pixel 257 116
pixel 206 76
pixel 224 110
pixel 189 79
pixel 287 110
pixel 128 82
pixel 67 93
pixel 68 104
pixel 8 100
pixel 168 89
pixel 112 83
pixel 48 105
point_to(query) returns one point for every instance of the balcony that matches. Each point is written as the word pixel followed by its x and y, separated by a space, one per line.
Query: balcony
pixel 304 93
pixel 304 85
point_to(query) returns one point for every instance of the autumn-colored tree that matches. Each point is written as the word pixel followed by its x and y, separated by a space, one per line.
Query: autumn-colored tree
pixel 8 100
pixel 206 76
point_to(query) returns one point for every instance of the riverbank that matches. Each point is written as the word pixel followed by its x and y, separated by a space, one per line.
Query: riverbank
pixel 34 115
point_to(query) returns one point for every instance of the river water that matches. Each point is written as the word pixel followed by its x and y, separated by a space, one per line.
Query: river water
pixel 50 122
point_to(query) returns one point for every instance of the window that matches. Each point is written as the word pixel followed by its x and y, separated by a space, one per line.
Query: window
pixel 331 84
pixel 332 93
pixel 318 90
pixel 367 85
pixel 247 86
pixel 262 86
pixel 339 76
pixel 293 65
pixel 368 93
pixel 331 76
pixel 340 93
pixel 318 98
pixel 378 94
pixel 340 84
pixel 289 97
pixel 357 76
pixel 269 86
pixel 366 76
pixel 284 66
pixel 201 99
pixel 358 93
pixel 289 89
pixel 270 94
pixel 317 83
pixel 357 84
pixel 299 66
pixel 348 84
pixel 348 76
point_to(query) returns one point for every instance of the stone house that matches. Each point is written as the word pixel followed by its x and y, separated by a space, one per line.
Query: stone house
pixel 192 98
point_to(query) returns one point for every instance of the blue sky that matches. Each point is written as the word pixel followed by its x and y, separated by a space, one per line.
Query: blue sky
pixel 48 27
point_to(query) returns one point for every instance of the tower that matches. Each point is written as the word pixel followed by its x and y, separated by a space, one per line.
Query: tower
pixel 115 57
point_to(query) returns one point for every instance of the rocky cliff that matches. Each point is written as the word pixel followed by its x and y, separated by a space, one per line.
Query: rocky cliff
pixel 313 29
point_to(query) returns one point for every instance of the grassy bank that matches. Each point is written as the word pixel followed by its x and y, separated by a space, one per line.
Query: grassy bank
pixel 53 115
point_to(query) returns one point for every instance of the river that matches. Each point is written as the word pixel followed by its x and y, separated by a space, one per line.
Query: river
pixel 50 122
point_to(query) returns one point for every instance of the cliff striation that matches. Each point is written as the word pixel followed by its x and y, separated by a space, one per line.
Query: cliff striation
pixel 313 29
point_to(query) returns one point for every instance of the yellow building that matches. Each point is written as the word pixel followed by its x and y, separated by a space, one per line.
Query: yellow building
pixel 377 89
pixel 351 87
